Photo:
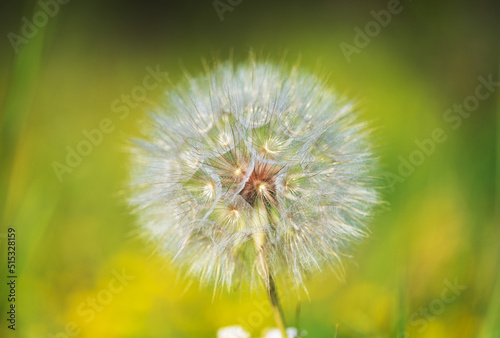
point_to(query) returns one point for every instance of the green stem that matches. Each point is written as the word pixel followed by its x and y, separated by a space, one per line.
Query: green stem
pixel 279 318
pixel 261 216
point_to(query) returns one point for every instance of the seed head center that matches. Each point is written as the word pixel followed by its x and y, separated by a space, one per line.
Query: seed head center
pixel 261 184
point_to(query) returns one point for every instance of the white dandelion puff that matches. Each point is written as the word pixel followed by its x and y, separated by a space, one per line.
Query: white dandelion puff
pixel 252 173
pixel 291 332
pixel 232 332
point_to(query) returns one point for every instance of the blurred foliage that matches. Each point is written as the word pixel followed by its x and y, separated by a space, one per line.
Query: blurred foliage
pixel 439 226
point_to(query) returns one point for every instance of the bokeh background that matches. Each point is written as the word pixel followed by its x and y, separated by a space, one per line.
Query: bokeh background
pixel 440 226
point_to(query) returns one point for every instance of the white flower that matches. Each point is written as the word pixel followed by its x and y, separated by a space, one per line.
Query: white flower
pixel 291 332
pixel 253 171
pixel 232 332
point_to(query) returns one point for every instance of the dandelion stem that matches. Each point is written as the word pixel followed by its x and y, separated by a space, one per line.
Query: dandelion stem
pixel 279 318
pixel 262 216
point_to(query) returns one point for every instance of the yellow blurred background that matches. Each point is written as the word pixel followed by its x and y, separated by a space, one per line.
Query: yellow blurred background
pixel 431 265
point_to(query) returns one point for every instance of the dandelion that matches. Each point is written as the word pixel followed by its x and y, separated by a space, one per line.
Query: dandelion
pixel 232 332
pixel 253 173
pixel 275 333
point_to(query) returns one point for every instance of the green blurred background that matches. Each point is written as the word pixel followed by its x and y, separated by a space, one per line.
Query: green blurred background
pixel 440 225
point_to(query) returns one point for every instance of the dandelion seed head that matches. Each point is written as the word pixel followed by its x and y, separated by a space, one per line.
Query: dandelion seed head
pixel 250 161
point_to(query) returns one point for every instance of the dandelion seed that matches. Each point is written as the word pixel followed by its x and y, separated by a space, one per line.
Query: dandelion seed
pixel 254 173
